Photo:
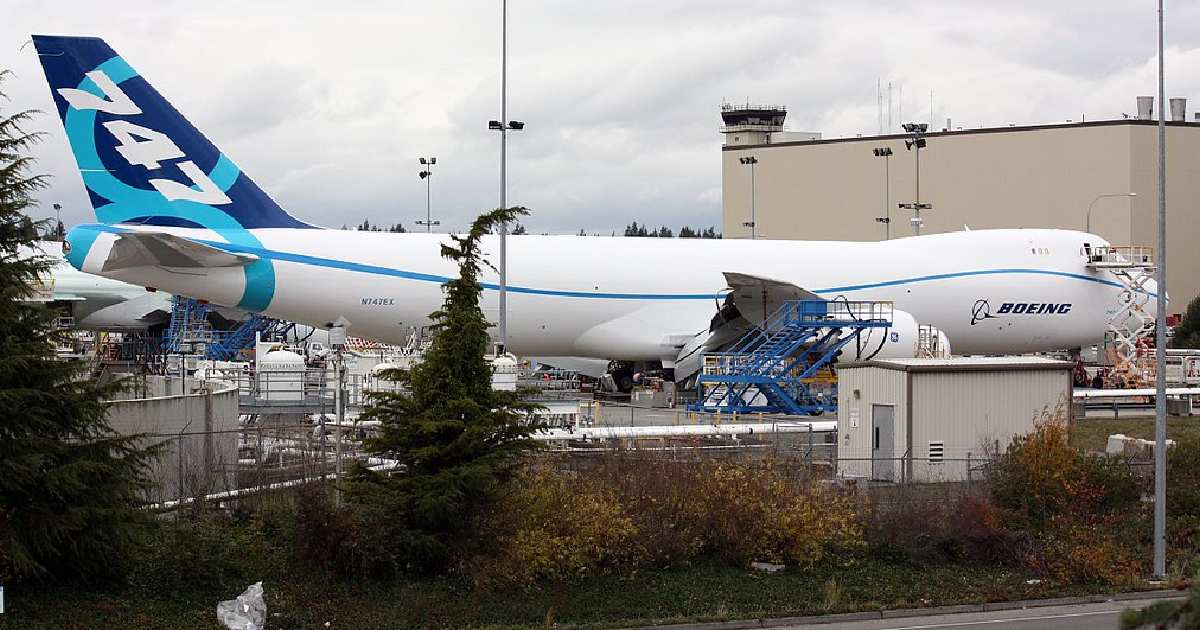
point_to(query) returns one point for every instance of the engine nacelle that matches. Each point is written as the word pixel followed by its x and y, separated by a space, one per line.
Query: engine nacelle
pixel 900 341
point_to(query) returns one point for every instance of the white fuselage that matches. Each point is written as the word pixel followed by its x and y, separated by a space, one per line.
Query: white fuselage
pixel 96 302
pixel 637 298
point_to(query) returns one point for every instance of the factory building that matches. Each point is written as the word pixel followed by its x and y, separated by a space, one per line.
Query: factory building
pixel 782 184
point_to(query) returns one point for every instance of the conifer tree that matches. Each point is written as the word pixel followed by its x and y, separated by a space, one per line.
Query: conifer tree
pixel 1187 333
pixel 455 437
pixel 69 486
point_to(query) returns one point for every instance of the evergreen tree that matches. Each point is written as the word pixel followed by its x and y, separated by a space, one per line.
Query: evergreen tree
pixel 455 437
pixel 69 486
pixel 687 232
pixel 1187 333
pixel 518 230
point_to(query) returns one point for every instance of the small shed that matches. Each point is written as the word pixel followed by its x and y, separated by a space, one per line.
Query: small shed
pixel 928 419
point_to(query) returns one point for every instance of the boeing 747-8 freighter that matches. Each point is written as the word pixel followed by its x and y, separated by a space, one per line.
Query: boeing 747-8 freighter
pixel 176 214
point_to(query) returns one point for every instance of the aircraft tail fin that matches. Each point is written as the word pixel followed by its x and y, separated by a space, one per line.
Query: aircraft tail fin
pixel 141 160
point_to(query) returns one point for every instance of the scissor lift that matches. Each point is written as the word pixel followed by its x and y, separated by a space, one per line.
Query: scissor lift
pixel 1131 327
pixel 784 366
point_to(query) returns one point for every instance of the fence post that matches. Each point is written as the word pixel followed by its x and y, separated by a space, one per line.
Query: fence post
pixel 969 473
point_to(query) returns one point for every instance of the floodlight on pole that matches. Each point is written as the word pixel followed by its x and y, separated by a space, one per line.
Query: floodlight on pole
pixel 427 175
pixel 504 125
pixel 58 221
pixel 751 161
pixel 916 142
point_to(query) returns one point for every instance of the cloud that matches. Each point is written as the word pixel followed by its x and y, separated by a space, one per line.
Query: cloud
pixel 328 106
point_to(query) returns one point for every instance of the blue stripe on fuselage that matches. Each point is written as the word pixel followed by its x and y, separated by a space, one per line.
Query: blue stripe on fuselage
pixel 330 263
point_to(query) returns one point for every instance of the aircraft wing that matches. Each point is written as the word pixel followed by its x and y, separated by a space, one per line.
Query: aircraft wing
pixel 139 313
pixel 158 249
pixel 750 301
pixel 757 297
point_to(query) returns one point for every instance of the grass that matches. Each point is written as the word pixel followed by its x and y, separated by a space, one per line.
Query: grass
pixel 702 591
pixel 1091 434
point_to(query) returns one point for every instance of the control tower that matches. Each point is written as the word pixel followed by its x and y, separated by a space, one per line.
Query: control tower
pixel 751 124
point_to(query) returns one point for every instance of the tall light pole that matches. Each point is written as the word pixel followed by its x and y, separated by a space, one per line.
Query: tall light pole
pixel 58 234
pixel 504 125
pixel 427 175
pixel 753 222
pixel 917 142
pixel 1160 330
pixel 886 219
pixel 1088 223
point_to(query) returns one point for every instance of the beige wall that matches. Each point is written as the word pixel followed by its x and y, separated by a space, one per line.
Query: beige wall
pixel 1020 177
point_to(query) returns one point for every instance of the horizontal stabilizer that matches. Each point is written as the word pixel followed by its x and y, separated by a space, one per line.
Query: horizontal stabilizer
pixel 157 249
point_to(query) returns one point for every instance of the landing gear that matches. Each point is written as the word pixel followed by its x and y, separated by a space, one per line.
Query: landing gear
pixel 623 375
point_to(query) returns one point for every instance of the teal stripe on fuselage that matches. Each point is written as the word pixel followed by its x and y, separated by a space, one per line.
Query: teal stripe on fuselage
pixel 330 263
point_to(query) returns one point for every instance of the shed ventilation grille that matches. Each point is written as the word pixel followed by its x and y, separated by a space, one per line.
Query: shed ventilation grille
pixel 937 452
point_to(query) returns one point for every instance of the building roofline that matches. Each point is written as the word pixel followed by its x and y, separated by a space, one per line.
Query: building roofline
pixel 936 134
pixel 964 366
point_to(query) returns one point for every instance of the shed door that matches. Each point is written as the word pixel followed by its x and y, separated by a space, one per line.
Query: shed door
pixel 883 442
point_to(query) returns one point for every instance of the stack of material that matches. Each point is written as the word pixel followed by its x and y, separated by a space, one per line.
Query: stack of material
pixel 1131 447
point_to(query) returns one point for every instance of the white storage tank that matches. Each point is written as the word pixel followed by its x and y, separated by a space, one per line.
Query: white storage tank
pixel 377 383
pixel 281 376
pixel 924 420
pixel 504 373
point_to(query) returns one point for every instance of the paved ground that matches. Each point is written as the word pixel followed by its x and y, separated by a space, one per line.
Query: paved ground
pixel 1075 617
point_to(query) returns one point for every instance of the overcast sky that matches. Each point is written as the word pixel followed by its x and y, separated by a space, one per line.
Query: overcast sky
pixel 327 105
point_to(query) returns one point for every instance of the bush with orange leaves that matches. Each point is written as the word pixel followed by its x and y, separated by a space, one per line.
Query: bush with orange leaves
pixel 554 526
pixel 1041 477
pixel 1078 508
pixel 629 511
pixel 760 514
pixel 1075 550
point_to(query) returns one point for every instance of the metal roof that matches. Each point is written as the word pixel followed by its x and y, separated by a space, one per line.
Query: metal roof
pixel 962 364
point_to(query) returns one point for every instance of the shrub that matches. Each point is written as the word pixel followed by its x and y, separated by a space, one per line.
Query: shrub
pixel 553 527
pixel 1183 478
pixel 660 498
pixel 1075 551
pixel 758 514
pixel 1082 512
pixel 186 556
pixel 1040 478
pixel 629 511
pixel 939 524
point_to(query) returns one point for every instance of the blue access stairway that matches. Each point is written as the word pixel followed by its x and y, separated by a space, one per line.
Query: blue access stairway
pixel 190 332
pixel 226 346
pixel 188 326
pixel 776 367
